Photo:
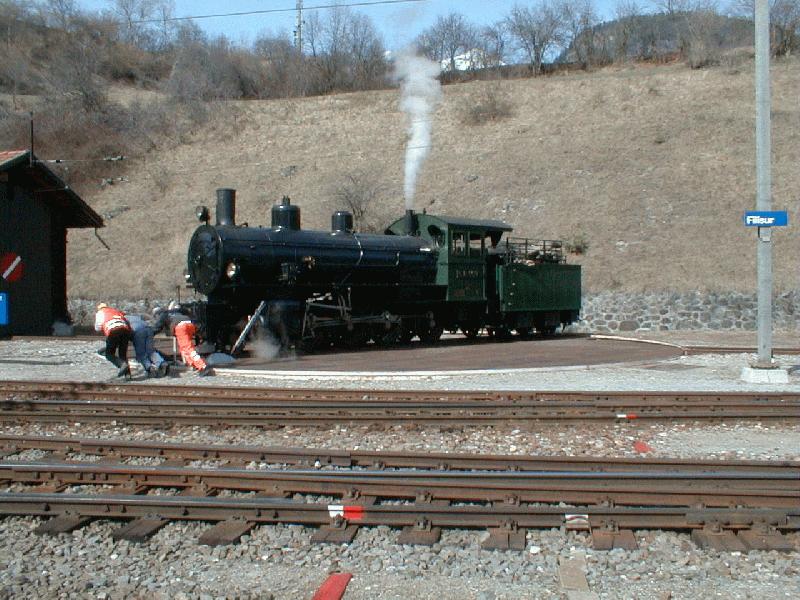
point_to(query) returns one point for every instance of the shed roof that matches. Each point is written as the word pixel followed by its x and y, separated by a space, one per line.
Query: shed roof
pixel 50 188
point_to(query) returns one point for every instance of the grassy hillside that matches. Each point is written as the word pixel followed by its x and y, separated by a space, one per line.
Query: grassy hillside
pixel 651 166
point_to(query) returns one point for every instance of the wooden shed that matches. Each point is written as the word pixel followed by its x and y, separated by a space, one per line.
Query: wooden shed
pixel 36 209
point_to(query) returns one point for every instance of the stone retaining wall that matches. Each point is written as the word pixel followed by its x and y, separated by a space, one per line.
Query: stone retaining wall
pixel 606 312
pixel 668 311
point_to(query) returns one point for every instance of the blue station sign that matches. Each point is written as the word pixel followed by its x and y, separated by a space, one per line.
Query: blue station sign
pixel 3 309
pixel 766 218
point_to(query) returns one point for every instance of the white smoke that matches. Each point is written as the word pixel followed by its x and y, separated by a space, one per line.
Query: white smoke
pixel 420 93
pixel 264 345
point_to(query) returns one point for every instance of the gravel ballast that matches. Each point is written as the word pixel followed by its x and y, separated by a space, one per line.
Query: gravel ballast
pixel 281 562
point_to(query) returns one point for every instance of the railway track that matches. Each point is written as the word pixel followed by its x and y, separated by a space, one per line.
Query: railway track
pixel 178 454
pixel 206 405
pixel 727 505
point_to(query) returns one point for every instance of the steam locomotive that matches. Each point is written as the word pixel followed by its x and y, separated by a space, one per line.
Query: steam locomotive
pixel 424 275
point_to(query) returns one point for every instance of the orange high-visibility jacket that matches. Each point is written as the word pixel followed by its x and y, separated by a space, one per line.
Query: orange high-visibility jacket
pixel 110 319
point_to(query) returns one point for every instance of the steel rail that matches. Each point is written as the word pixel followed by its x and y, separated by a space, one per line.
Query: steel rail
pixel 314 415
pixel 653 488
pixel 735 350
pixel 269 510
pixel 443 461
pixel 85 390
pixel 143 404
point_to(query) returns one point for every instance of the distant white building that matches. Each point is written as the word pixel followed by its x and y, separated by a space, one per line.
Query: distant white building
pixel 473 59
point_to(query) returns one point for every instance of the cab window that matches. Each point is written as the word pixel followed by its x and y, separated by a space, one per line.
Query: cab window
pixel 437 236
pixel 475 244
pixel 458 245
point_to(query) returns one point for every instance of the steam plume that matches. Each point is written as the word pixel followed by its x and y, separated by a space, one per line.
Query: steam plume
pixel 420 93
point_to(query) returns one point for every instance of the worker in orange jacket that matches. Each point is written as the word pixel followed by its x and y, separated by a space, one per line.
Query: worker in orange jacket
pixel 115 327
pixel 184 330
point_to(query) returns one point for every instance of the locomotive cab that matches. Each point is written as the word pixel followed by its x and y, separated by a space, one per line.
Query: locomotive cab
pixel 462 266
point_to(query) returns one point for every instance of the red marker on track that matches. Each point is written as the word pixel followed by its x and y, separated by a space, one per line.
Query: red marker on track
pixel 350 513
pixel 334 587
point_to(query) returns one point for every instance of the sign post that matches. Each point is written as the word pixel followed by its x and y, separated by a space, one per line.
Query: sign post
pixel 764 370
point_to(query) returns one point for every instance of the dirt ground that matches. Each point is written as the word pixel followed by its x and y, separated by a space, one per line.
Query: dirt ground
pixel 651 166
pixel 457 353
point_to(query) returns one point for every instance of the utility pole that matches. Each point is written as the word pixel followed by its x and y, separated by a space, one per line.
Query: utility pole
pixel 764 370
pixel 763 184
pixel 298 29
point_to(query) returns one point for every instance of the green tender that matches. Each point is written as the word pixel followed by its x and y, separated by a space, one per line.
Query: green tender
pixel 542 287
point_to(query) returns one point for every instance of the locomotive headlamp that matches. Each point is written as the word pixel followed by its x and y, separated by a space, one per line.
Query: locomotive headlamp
pixel 202 213
pixel 232 270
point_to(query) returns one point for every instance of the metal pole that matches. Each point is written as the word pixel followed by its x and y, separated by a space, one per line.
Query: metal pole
pixel 30 158
pixel 763 184
pixel 298 32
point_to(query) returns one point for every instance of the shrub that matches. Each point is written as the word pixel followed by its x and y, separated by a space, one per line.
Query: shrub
pixel 489 105
pixel 362 194
pixel 577 245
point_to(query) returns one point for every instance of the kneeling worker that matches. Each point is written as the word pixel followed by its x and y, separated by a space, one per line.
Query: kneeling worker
pixel 118 333
pixel 184 329
pixel 151 360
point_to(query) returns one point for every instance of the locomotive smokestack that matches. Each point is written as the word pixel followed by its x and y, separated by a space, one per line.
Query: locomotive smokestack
pixel 226 207
pixel 410 222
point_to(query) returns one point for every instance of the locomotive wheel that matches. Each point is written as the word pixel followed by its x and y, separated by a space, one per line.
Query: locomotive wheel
pixel 388 337
pixel 406 334
pixel 470 332
pixel 525 333
pixel 307 345
pixel 501 333
pixel 548 330
pixel 356 338
pixel 431 335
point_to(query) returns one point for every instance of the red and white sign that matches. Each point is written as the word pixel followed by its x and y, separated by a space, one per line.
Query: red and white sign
pixel 350 513
pixel 11 267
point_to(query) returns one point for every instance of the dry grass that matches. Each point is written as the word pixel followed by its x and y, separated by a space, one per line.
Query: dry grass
pixel 650 167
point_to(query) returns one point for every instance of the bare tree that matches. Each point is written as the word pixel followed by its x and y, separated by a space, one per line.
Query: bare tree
pixel 130 13
pixel 165 29
pixel 286 71
pixel 366 52
pixel 784 20
pixel 672 7
pixel 60 13
pixel 144 23
pixel 362 194
pixel 494 44
pixel 785 24
pixel 346 48
pixel 537 31
pixel 626 12
pixel 579 21
pixel 73 73
pixel 703 35
pixel 449 37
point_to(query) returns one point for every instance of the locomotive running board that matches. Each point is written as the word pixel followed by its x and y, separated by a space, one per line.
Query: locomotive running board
pixel 239 345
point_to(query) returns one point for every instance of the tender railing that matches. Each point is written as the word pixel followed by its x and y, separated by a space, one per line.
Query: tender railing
pixel 532 252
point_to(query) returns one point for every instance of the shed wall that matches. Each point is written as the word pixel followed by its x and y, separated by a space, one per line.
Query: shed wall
pixel 26 228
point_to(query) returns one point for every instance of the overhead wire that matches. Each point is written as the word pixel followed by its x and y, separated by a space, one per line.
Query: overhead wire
pixel 274 10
